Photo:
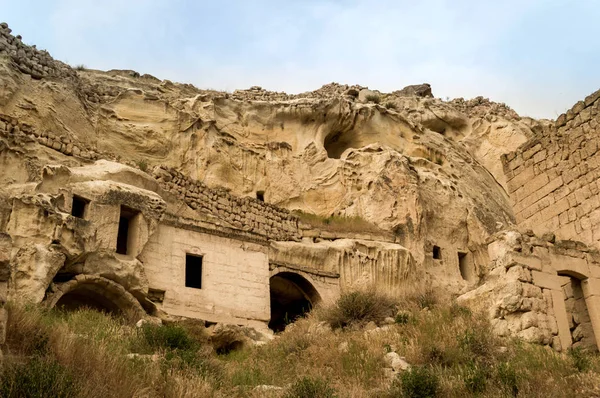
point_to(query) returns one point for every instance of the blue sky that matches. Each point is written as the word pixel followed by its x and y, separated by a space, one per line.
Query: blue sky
pixel 538 56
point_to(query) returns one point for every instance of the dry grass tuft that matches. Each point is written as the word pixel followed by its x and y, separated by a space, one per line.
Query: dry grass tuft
pixel 354 224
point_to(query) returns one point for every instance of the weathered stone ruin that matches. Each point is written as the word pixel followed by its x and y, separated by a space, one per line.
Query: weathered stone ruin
pixel 149 198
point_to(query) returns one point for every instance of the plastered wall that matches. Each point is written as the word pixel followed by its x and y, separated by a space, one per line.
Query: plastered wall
pixel 235 279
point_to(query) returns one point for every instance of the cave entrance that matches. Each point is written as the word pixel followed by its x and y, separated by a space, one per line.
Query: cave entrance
pixel 292 296
pixel 87 296
pixel 337 142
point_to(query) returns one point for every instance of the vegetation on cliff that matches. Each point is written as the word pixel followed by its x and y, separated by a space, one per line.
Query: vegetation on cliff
pixel 450 350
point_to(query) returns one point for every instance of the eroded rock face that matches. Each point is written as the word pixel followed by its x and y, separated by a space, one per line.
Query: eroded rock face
pixel 87 154
pixel 48 238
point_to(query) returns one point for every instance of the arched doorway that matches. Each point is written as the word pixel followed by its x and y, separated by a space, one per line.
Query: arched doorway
pixel 97 293
pixel 292 296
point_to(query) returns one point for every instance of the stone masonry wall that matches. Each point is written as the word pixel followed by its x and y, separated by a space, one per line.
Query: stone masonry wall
pixel 554 179
pixel 541 290
pixel 244 213
pixel 28 59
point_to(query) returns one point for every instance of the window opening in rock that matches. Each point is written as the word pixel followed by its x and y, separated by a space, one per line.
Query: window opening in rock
pixel 193 271
pixel 260 195
pixel 463 265
pixel 437 253
pixel 127 233
pixel 79 207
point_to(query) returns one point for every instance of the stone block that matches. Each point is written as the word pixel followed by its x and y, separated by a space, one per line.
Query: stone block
pixel 530 262
pixel 546 281
pixel 590 287
pixel 577 267
pixel 562 321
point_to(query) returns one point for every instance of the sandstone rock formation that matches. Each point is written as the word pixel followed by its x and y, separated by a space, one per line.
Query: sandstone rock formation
pixel 144 196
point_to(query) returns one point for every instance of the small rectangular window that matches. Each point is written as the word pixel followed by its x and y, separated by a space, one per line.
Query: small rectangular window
pixel 260 195
pixel 79 207
pixel 437 253
pixel 193 271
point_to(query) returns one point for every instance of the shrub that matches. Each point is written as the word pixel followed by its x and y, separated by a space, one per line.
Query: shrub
pixel 419 382
pixel 309 387
pixel 80 67
pixel 580 359
pixel 38 377
pixel 391 105
pixel 142 164
pixel 169 337
pixel 402 318
pixel 426 299
pixel 359 307
pixel 373 98
pixel 475 378
pixel 507 376
pixel 477 343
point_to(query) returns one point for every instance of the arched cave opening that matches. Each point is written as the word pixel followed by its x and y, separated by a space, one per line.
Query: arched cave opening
pixel 337 142
pixel 292 296
pixel 86 296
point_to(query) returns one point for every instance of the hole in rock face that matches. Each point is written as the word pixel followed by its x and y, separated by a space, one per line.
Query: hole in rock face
pixel 292 296
pixel 336 143
pixel 79 207
pixel 260 195
pixel 465 267
pixel 87 297
pixel 437 253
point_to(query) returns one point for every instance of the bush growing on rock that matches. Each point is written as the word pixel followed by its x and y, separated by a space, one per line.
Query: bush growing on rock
pixel 360 307
pixel 373 98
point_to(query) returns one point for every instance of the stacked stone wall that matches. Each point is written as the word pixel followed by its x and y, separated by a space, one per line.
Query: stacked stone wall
pixel 554 179
pixel 541 290
pixel 21 133
pixel 28 59
pixel 243 213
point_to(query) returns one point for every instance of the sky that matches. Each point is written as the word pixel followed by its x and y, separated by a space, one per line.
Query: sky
pixel 537 56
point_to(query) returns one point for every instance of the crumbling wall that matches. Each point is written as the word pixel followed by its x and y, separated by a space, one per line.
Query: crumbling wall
pixel 247 214
pixel 541 290
pixel 28 59
pixel 554 179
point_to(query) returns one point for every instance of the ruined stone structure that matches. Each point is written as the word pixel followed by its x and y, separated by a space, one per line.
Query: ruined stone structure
pixel 151 198
pixel 547 290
